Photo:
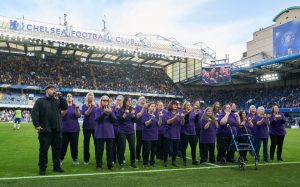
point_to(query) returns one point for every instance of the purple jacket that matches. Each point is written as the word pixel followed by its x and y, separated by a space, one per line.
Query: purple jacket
pixel 261 131
pixel 189 125
pixel 125 125
pixel 70 121
pixel 139 124
pixel 277 127
pixel 104 124
pixel 88 121
pixel 150 133
pixel 172 130
pixel 223 130
pixel 208 135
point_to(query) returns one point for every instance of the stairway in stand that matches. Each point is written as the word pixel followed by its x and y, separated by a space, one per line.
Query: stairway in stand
pixel 93 75
pixel 58 70
pixel 21 69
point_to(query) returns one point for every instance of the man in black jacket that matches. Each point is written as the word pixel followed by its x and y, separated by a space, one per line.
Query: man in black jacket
pixel 46 118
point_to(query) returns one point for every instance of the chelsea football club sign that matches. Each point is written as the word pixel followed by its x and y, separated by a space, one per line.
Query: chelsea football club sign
pixel 67 31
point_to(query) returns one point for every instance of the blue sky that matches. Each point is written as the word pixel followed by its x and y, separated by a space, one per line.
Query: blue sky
pixel 225 26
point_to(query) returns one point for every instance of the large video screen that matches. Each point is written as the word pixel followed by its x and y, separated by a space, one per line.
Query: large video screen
pixel 216 74
pixel 286 39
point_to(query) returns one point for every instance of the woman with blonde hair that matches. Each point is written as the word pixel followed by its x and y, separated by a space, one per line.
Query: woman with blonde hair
pixel 188 131
pixel 104 132
pixel 261 122
pixel 88 125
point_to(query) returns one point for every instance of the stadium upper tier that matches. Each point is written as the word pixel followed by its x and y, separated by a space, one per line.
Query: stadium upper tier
pixel 98 76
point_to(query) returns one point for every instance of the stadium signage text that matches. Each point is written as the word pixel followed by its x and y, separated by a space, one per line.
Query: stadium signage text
pixel 69 32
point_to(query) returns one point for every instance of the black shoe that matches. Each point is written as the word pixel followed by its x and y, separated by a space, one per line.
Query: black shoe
pixel 221 161
pixel 153 165
pixel 279 159
pixel 195 162
pixel 202 161
pixel 272 159
pixel 42 172
pixel 165 164
pixel 58 170
pixel 133 165
pixel 122 167
pixel 174 164
pixel 110 168
pixel 184 164
pixel 232 161
pixel 245 159
pixel 99 168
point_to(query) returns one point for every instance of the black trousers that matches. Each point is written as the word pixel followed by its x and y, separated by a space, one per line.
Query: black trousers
pixel 223 148
pixel 167 143
pixel 115 146
pixel 87 133
pixel 122 146
pixel 160 147
pixel 198 140
pixel 100 149
pixel 208 148
pixel 242 139
pixel 46 140
pixel 185 140
pixel 72 138
pixel 276 140
pixel 139 143
pixel 149 146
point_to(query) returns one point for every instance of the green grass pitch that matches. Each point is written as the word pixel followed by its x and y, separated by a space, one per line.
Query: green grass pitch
pixel 19 158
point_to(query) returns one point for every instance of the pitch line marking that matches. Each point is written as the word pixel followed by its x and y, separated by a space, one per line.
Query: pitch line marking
pixel 133 172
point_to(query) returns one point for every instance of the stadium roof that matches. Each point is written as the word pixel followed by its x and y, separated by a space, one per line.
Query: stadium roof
pixel 27 37
pixel 285 10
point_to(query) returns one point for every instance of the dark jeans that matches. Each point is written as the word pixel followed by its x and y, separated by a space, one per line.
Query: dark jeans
pixel 122 146
pixel 198 140
pixel 115 147
pixel 208 148
pixel 224 153
pixel 72 138
pixel 139 143
pixel 167 143
pixel 160 147
pixel 147 147
pixel 276 140
pixel 87 133
pixel 46 140
pixel 265 147
pixel 100 149
pixel 185 140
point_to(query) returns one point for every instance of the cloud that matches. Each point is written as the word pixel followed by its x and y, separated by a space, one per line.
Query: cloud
pixel 169 18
